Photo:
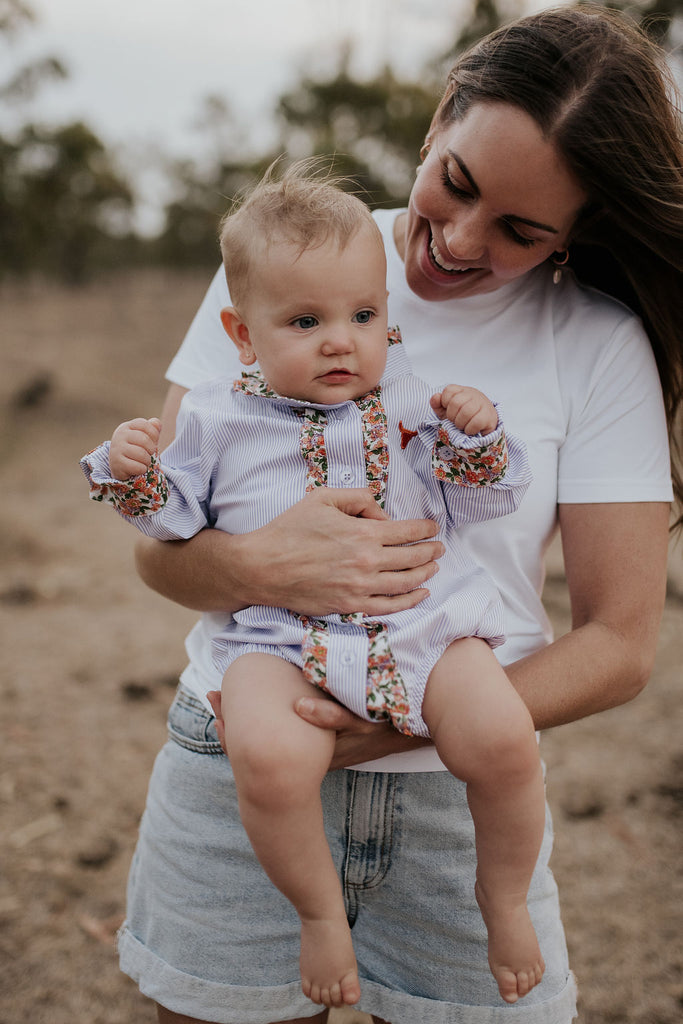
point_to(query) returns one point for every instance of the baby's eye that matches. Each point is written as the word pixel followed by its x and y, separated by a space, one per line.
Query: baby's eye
pixel 364 316
pixel 305 322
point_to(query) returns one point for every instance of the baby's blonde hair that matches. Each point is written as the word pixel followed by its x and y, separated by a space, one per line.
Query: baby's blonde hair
pixel 305 207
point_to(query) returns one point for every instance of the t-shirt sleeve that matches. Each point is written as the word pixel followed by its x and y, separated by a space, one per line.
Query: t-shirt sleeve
pixel 616 447
pixel 206 351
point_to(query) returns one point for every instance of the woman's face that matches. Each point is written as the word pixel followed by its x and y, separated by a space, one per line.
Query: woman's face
pixel 492 200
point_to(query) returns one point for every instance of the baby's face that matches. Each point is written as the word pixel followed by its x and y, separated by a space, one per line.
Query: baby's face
pixel 317 322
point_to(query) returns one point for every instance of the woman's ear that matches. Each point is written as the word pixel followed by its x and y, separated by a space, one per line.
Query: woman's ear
pixel 235 326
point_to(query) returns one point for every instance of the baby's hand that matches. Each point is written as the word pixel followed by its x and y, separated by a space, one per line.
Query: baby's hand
pixel 468 409
pixel 132 446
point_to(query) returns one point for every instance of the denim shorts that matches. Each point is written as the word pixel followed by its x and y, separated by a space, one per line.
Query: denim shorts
pixel 208 935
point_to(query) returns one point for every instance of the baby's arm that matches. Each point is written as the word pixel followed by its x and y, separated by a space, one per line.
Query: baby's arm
pixel 132 446
pixel 483 470
pixel 169 501
pixel 467 409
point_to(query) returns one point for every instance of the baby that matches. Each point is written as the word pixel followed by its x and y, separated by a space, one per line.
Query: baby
pixel 335 403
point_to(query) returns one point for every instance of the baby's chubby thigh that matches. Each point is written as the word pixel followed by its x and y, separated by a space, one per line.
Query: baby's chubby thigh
pixel 270 747
pixel 476 718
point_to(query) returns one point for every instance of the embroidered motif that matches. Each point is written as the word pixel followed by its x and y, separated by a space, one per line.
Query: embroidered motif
pixel 141 495
pixel 469 467
pixel 394 336
pixel 406 435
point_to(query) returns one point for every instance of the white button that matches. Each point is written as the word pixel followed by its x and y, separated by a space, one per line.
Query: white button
pixel 347 658
pixel 347 475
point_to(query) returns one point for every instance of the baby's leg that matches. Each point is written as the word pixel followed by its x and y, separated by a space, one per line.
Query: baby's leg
pixel 279 762
pixel 485 736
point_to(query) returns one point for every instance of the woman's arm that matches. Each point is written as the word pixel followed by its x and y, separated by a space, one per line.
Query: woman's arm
pixel 334 551
pixel 615 561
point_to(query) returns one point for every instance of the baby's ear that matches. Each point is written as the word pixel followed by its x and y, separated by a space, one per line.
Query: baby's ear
pixel 235 326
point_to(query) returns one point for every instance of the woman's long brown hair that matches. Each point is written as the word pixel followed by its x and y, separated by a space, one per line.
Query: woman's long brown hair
pixel 600 89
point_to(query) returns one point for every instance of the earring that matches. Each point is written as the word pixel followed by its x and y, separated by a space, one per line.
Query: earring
pixel 559 259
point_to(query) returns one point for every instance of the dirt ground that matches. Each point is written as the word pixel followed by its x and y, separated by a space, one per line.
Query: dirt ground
pixel 90 660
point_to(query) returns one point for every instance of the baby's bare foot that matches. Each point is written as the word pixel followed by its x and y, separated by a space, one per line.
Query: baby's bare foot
pixel 328 966
pixel 514 954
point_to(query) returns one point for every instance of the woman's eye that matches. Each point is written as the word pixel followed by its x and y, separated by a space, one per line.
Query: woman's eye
pixel 454 189
pixel 520 239
pixel 364 316
pixel 305 322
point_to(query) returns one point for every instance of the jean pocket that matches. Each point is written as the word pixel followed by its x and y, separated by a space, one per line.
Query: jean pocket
pixel 191 725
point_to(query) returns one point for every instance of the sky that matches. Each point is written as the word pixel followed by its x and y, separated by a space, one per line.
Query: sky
pixel 139 69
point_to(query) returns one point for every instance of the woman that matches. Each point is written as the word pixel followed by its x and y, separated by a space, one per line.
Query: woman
pixel 555 145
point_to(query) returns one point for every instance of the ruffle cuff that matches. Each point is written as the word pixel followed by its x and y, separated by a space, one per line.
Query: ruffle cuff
pixel 141 495
pixel 470 460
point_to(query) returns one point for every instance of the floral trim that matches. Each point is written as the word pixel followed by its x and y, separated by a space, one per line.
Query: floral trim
pixel 254 384
pixel 386 694
pixel 312 446
pixel 469 467
pixel 141 495
pixel 394 336
pixel 375 447
pixel 314 648
pixel 375 443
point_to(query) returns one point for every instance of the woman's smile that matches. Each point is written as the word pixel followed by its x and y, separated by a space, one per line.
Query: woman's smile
pixel 442 264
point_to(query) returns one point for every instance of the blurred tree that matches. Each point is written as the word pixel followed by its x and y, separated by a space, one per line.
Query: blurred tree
pixel 373 128
pixel 656 17
pixel 14 14
pixel 189 236
pixel 202 190
pixel 72 206
pixel 64 207
pixel 23 83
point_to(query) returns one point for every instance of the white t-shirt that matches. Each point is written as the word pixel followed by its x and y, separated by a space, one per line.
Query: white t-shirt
pixel 575 374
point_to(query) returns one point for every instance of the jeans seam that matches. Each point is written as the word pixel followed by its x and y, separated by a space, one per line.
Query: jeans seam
pixel 388 815
pixel 352 890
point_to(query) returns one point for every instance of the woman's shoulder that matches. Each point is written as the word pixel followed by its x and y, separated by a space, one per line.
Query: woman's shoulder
pixel 575 302
pixel 592 328
pixel 601 347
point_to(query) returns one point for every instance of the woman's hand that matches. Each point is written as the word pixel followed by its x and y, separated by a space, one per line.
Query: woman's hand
pixel 337 551
pixel 334 551
pixel 357 740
